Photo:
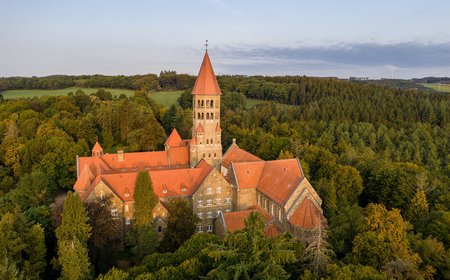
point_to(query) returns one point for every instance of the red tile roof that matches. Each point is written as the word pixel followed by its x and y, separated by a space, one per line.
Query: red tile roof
pixel 97 147
pixel 236 154
pixel 248 173
pixel 271 230
pixel 307 215
pixel 206 82
pixel 199 128
pixel 279 179
pixel 174 139
pixel 132 162
pixel 234 221
pixel 166 183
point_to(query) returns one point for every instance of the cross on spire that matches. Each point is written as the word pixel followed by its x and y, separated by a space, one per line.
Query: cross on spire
pixel 206 45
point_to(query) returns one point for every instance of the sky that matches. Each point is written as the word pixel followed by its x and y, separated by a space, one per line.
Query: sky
pixel 362 38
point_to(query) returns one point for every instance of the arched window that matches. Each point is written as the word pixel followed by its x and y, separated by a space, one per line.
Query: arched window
pixel 203 103
pixel 215 155
pixel 212 116
pixel 207 141
pixel 207 103
pixel 198 103
pixel 198 115
pixel 207 116
pixel 203 116
pixel 212 103
pixel 209 155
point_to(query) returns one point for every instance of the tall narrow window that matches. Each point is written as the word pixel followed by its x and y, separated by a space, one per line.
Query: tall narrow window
pixel 203 116
pixel 203 104
pixel 207 103
pixel 212 116
pixel 212 103
pixel 198 103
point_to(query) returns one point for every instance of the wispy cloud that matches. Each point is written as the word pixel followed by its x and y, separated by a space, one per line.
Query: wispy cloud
pixel 409 58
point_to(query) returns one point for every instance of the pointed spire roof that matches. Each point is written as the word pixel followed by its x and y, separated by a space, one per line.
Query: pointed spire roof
pixel 206 82
pixel 97 149
pixel 174 139
pixel 199 128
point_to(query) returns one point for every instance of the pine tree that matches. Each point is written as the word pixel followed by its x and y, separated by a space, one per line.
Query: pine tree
pixel 74 260
pixel 72 235
pixel 318 251
pixel 74 221
pixel 418 209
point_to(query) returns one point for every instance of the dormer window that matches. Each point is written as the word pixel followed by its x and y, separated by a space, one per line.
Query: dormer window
pixel 127 194
pixel 183 189
pixel 164 191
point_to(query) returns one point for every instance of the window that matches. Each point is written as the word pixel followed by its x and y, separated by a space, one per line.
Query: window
pixel 164 191
pixel 209 191
pixel 126 207
pixel 160 229
pixel 208 202
pixel 203 103
pixel 203 116
pixel 199 228
pixel 280 217
pixel 127 194
pixel 207 103
pixel 207 116
pixel 215 155
pixel 209 214
pixel 114 212
pixel 209 228
pixel 200 203
pixel 212 116
pixel 198 103
pixel 203 154
pixel 200 215
pixel 127 221
pixel 212 103
pixel 207 141
pixel 218 201
pixel 228 200
pixel 219 190
pixel 198 115
pixel 209 155
pixel 271 209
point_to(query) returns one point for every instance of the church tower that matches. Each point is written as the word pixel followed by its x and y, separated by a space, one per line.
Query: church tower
pixel 206 140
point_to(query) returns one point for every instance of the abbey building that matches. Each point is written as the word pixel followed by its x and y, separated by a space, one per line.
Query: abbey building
pixel 222 189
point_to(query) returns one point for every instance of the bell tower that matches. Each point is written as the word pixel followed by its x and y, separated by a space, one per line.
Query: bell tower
pixel 206 140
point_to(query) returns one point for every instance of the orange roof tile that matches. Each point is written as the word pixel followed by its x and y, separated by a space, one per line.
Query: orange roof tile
pixel 307 215
pixel 271 230
pixel 174 139
pixel 166 183
pixel 206 82
pixel 97 147
pixel 248 173
pixel 279 179
pixel 199 128
pixel 132 162
pixel 84 180
pixel 234 221
pixel 236 154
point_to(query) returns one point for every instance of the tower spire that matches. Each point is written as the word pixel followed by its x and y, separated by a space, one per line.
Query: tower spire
pixel 206 45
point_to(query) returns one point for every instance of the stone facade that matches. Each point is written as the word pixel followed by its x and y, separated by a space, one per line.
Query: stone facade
pixel 213 196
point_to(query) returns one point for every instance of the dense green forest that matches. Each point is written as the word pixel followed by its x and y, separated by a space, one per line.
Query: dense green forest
pixel 378 156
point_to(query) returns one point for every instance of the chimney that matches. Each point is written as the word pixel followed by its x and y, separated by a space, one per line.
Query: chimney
pixel 120 155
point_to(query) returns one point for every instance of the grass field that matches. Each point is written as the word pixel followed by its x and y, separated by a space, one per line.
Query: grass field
pixel 24 93
pixel 438 87
pixel 166 98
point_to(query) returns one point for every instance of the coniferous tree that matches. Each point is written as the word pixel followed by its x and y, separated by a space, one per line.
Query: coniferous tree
pixel 142 237
pixel 73 234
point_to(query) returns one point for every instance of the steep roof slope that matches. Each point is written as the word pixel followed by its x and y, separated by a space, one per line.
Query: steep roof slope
pixel 206 82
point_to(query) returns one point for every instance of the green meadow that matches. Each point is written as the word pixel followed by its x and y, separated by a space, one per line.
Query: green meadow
pixel 438 87
pixel 28 93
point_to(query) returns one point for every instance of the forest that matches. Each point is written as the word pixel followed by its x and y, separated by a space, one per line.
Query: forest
pixel 378 156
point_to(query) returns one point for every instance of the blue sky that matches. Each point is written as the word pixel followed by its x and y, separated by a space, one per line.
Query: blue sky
pixel 378 39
